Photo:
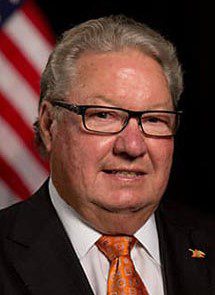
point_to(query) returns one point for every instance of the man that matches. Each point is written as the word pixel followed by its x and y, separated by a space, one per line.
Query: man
pixel 107 120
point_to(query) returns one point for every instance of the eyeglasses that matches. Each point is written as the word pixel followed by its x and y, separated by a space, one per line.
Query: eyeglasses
pixel 111 120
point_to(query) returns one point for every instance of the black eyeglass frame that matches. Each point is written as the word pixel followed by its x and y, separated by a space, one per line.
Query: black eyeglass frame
pixel 81 110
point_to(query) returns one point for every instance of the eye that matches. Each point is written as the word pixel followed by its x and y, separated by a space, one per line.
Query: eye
pixel 102 115
pixel 152 119
pixel 155 119
pixel 159 120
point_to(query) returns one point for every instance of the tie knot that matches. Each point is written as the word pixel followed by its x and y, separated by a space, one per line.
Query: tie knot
pixel 115 246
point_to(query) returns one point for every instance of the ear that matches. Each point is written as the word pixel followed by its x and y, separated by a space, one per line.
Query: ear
pixel 46 120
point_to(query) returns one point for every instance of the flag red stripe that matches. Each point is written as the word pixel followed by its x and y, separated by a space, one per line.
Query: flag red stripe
pixel 12 179
pixel 15 56
pixel 21 58
pixel 36 17
pixel 9 113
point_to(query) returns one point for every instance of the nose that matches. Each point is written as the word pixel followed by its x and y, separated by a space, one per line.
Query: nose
pixel 130 143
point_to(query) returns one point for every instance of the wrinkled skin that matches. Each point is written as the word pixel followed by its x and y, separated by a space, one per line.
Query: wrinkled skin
pixel 113 203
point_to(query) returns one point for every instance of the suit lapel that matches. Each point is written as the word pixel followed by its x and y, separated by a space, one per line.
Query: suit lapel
pixel 182 274
pixel 43 260
pixel 41 254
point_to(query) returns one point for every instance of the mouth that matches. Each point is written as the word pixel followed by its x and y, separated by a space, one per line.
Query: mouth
pixel 126 174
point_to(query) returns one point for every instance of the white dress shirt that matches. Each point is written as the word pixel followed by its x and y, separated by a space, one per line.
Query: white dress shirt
pixel 145 254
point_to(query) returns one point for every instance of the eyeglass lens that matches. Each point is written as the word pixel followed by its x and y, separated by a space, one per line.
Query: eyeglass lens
pixel 110 121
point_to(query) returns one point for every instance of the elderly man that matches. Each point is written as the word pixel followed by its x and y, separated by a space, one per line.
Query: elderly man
pixel 107 119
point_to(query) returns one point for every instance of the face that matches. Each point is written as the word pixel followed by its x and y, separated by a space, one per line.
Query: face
pixel 115 182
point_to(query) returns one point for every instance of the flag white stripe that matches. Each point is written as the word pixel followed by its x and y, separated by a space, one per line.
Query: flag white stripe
pixel 7 196
pixel 37 49
pixel 19 158
pixel 15 88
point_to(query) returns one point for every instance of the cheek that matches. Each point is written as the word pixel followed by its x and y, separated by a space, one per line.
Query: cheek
pixel 81 153
pixel 161 152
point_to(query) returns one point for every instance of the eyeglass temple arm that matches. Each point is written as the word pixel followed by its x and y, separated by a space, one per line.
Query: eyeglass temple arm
pixel 73 108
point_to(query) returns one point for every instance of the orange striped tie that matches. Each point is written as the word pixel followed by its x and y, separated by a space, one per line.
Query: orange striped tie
pixel 123 278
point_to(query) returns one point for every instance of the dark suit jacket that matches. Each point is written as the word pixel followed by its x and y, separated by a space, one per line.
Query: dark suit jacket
pixel 36 257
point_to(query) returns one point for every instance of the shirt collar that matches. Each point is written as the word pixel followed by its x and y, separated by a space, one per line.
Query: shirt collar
pixel 81 235
pixel 75 227
pixel 147 235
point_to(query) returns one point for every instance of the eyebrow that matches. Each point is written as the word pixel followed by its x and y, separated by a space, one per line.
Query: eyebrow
pixel 105 99
pixel 102 98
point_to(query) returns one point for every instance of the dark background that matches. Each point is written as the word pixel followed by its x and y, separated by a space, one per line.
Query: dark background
pixel 190 26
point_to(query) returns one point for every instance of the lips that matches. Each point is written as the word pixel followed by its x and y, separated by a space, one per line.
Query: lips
pixel 124 172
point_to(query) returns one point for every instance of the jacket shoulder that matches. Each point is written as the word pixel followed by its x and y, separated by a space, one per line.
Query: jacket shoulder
pixel 186 215
pixel 8 216
pixel 11 215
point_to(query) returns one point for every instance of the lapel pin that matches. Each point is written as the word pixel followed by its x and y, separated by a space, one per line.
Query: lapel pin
pixel 197 253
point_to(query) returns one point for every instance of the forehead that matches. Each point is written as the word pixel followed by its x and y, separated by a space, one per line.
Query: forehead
pixel 127 76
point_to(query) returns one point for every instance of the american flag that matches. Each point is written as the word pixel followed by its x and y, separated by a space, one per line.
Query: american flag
pixel 25 44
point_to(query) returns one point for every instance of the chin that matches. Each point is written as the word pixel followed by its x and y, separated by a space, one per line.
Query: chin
pixel 122 220
pixel 125 202
pixel 122 224
pixel 124 205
